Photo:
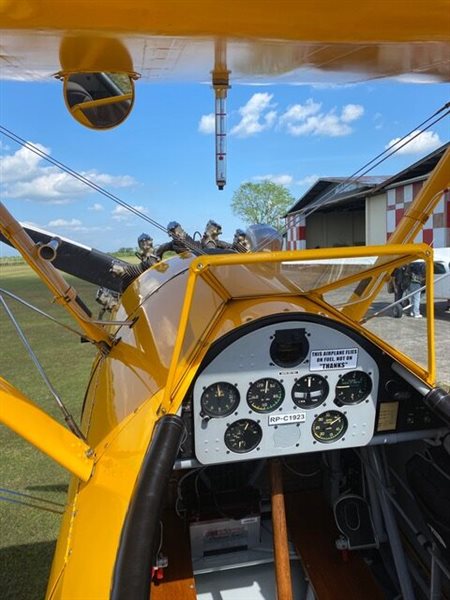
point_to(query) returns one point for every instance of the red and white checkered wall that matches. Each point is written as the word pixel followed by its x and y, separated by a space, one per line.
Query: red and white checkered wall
pixel 436 231
pixel 296 232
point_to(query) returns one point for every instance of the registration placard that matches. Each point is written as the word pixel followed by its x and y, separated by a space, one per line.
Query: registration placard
pixel 297 417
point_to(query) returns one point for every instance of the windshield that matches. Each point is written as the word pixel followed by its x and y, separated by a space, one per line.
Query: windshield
pixel 343 286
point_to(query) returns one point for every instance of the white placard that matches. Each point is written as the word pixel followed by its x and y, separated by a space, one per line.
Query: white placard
pixel 336 358
pixel 297 417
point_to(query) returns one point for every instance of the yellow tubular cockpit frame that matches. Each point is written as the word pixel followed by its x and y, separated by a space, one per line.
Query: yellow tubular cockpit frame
pixel 208 268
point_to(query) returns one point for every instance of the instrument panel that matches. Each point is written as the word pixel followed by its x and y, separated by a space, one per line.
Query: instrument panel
pixel 247 403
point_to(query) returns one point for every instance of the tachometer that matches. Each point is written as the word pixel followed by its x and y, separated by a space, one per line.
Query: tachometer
pixel 353 387
pixel 243 436
pixel 219 399
pixel 310 391
pixel 265 395
pixel 329 426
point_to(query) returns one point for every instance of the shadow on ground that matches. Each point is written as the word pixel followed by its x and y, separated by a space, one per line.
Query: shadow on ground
pixel 440 313
pixel 57 487
pixel 24 570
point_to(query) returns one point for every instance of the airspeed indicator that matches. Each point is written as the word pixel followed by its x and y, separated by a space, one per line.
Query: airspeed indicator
pixel 265 395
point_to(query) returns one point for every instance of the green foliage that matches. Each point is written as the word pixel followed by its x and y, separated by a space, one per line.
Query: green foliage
pixel 124 252
pixel 265 202
pixel 7 261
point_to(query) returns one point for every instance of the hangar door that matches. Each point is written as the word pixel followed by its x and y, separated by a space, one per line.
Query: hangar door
pixel 336 228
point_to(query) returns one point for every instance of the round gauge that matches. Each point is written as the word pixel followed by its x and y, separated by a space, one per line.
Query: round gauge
pixel 219 399
pixel 243 435
pixel 353 387
pixel 310 391
pixel 329 426
pixel 265 395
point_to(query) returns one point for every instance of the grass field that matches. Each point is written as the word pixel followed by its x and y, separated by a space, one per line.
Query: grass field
pixel 28 534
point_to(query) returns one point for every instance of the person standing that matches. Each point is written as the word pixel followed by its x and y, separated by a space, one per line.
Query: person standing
pixel 417 275
pixel 400 283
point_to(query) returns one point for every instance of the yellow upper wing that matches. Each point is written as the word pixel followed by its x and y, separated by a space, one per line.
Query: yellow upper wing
pixel 289 40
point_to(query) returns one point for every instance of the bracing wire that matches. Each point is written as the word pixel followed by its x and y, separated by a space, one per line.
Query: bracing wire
pixel 382 156
pixel 320 202
pixel 67 416
pixel 98 188
pixel 15 497
pixel 374 162
pixel 30 497
pixel 30 505
pixel 41 312
pixel 42 154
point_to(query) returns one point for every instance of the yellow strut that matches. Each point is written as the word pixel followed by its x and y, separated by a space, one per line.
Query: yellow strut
pixel 30 422
pixel 63 292
pixel 406 231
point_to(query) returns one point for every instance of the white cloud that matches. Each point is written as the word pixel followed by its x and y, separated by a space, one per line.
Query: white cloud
pixel 283 179
pixel 96 207
pixel 73 226
pixel 351 112
pixel 308 181
pixel 64 223
pixel 259 114
pixel 117 181
pixel 21 165
pixel 378 120
pixel 26 175
pixel 427 141
pixel 299 112
pixel 256 116
pixel 306 119
pixel 207 123
pixel 121 213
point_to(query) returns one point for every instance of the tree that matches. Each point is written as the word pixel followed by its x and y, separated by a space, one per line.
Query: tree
pixel 264 202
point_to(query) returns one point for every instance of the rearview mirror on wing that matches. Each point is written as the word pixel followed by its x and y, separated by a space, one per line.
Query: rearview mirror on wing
pixel 99 100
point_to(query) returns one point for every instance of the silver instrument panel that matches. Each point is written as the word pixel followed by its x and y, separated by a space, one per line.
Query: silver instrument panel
pixel 246 406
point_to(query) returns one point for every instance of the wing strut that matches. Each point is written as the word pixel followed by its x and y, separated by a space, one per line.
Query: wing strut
pixel 34 425
pixel 64 294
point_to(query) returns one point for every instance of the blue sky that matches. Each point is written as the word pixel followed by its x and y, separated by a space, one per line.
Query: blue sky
pixel 161 159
